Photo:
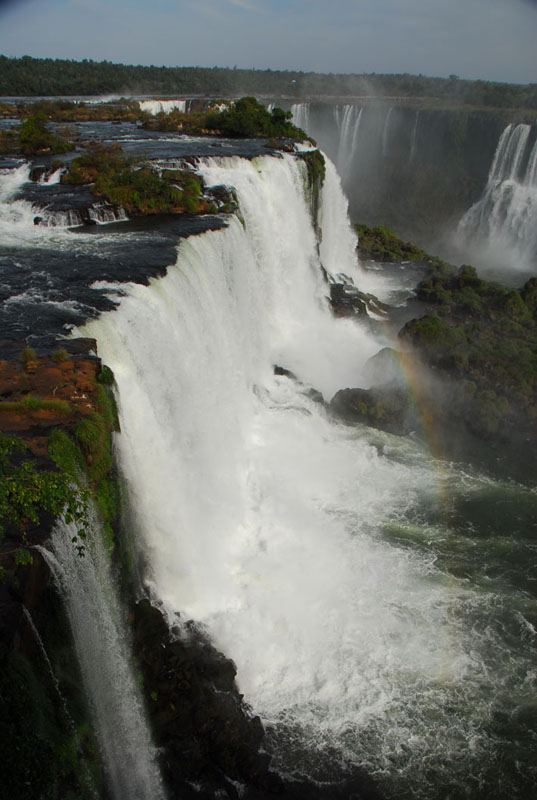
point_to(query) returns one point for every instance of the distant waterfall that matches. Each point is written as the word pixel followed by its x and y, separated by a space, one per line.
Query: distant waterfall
pixel 385 132
pixel 103 651
pixel 348 126
pixel 366 142
pixel 301 116
pixel 162 106
pixel 414 138
pixel 502 225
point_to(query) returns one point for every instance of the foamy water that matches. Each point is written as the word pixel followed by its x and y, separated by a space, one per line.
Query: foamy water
pixel 308 549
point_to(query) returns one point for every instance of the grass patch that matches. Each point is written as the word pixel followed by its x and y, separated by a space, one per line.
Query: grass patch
pixel 66 454
pixel 33 403
pixel 60 355
pixel 93 435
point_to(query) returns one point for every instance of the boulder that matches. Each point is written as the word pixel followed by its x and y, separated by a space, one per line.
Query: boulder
pixel 386 408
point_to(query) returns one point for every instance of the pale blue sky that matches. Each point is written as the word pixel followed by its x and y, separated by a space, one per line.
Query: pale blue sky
pixel 489 39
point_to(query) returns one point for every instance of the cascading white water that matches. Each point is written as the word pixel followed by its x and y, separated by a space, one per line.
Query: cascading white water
pixel 414 138
pixel 103 652
pixel 385 132
pixel 347 119
pixel 12 179
pixel 501 227
pixel 162 106
pixel 300 115
pixel 283 247
pixel 99 213
pixel 264 520
pixel 52 178
pixel 16 215
pixel 348 122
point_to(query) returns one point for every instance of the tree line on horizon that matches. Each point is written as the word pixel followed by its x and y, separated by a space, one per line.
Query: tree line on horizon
pixel 30 77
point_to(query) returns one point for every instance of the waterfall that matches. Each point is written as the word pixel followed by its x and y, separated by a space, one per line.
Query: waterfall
pixel 501 227
pixel 301 114
pixel 414 138
pixel 162 106
pixel 11 181
pixel 50 178
pixel 348 126
pixel 16 215
pixel 20 219
pixel 509 154
pixel 385 132
pixel 265 521
pixel 97 214
pixel 347 120
pixel 87 587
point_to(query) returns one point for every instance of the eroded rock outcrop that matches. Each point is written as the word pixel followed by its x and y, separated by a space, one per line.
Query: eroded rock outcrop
pixel 204 730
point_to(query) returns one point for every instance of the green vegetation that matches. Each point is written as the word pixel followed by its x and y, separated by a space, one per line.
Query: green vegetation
pixel 248 118
pixel 48 756
pixel 33 403
pixel 385 409
pixel 93 436
pixel 66 455
pixel 60 355
pixel 315 165
pixel 8 142
pixel 381 244
pixel 106 376
pixel 98 158
pixel 315 174
pixel 65 111
pixel 33 136
pixel 44 718
pixel 485 335
pixel 243 118
pixel 89 456
pixel 136 186
pixel 81 468
pixel 144 191
pixel 479 341
pixel 28 355
pixel 27 492
pixel 442 344
pixel 32 76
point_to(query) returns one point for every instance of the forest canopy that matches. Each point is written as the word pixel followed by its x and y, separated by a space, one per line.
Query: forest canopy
pixel 28 76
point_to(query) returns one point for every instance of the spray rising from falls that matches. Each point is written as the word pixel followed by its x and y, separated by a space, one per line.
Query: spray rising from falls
pixel 503 222
pixel 362 140
pixel 267 522
pixel 103 652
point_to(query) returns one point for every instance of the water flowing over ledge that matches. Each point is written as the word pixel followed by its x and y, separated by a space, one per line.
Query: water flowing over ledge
pixel 283 532
pixel 503 223
pixel 89 593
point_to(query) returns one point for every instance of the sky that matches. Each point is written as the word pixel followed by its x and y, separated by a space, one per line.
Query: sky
pixel 478 39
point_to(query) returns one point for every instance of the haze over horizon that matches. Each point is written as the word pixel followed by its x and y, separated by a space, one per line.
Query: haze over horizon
pixel 489 39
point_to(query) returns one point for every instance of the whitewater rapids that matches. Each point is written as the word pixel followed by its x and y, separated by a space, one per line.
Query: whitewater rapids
pixel 271 525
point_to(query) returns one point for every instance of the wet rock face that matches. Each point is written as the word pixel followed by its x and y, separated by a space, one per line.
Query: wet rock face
pixel 348 301
pixel 200 723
